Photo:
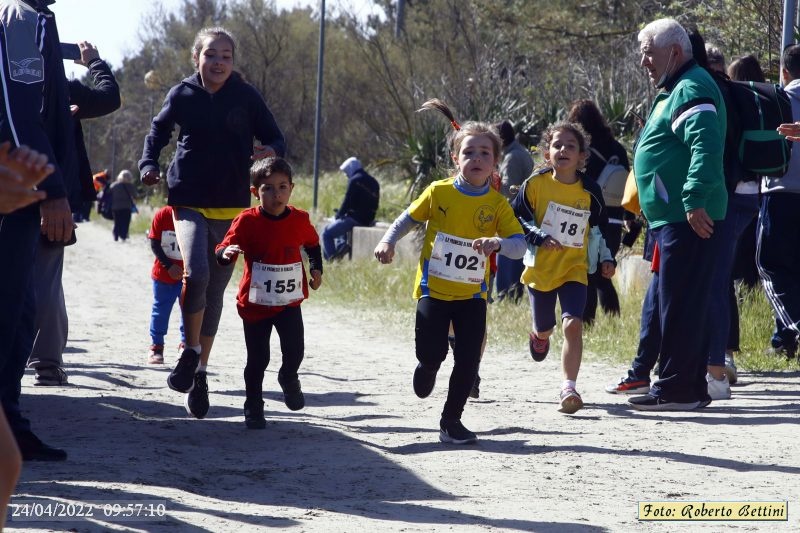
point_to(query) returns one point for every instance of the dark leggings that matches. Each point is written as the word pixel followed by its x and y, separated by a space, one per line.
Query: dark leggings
pixel 469 326
pixel 122 221
pixel 289 325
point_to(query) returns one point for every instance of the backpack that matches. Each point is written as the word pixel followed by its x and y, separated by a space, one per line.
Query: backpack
pixel 611 179
pixel 753 147
pixel 104 202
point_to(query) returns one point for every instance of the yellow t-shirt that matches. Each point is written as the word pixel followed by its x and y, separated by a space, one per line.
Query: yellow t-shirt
pixel 564 211
pixel 448 268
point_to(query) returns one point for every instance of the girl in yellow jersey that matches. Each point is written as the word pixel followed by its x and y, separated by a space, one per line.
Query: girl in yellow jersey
pixel 562 210
pixel 465 221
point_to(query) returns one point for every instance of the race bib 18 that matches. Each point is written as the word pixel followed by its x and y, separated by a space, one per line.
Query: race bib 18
pixel 565 224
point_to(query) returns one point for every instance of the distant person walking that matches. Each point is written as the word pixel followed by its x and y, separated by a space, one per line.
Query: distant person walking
pixel 219 116
pixel 122 204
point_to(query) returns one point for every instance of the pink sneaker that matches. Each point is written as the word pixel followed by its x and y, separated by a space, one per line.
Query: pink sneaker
pixel 156 356
pixel 539 347
pixel 571 401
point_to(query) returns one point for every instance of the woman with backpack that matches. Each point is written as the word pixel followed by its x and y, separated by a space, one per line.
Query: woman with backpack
pixel 603 148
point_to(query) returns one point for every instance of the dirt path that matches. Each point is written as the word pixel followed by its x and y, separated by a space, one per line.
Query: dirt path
pixel 364 454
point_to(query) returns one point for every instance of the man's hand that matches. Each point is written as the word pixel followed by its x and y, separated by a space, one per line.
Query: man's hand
pixel 700 222
pixel 790 131
pixel 57 223
pixel 151 177
pixel 384 252
pixel 551 244
pixel 316 279
pixel 88 53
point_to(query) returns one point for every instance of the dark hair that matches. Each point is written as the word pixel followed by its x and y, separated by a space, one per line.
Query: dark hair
pixel 506 131
pixel 699 53
pixel 585 113
pixel 746 68
pixel 584 139
pixel 202 35
pixel 460 131
pixel 264 168
pixel 791 60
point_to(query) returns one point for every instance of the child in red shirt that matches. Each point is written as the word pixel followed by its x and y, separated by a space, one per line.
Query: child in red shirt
pixel 167 274
pixel 274 283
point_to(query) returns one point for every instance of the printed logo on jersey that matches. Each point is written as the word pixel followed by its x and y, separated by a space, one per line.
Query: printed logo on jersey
pixel 484 217
pixel 443 210
pixel 27 70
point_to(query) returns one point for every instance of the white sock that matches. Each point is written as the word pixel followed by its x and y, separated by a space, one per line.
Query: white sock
pixel 201 368
pixel 568 384
pixel 197 349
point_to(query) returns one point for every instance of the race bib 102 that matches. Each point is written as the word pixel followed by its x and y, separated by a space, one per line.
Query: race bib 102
pixel 454 259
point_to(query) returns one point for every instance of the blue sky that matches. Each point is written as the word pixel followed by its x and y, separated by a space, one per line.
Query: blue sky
pixel 113 25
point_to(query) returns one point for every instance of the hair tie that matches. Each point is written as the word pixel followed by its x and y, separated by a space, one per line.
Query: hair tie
pixel 455 125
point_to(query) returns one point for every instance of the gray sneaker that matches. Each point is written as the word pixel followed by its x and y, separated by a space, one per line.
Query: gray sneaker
pixel 730 369
pixel 50 376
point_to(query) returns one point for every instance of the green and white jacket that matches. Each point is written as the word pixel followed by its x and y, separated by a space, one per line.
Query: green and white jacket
pixel 678 158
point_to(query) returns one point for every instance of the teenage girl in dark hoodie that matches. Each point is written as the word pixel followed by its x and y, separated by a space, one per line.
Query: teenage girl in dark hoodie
pixel 219 115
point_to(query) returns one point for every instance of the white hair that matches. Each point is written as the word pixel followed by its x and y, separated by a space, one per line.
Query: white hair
pixel 666 32
pixel 13 9
pixel 125 176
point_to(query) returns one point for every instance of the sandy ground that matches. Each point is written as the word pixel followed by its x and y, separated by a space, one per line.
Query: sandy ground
pixel 364 454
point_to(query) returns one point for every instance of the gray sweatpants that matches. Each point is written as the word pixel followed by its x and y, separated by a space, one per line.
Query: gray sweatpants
pixel 52 324
pixel 204 279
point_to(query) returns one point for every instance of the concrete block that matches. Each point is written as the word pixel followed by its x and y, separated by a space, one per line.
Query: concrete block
pixel 633 273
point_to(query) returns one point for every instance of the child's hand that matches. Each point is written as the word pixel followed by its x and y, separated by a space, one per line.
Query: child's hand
pixel 151 177
pixel 607 269
pixel 260 152
pixel 232 252
pixel 486 245
pixel 316 279
pixel 175 272
pixel 551 244
pixel 384 252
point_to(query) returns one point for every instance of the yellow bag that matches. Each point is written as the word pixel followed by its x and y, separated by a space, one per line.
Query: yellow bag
pixel 630 197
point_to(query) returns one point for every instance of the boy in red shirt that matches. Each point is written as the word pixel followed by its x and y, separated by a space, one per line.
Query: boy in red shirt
pixel 167 274
pixel 274 283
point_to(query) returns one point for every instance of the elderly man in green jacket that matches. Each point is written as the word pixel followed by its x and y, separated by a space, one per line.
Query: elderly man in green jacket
pixel 678 169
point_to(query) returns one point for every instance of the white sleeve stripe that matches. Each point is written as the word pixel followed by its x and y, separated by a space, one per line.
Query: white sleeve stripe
pixel 6 97
pixel 692 111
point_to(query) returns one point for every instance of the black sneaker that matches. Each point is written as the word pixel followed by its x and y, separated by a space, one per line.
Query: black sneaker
pixel 181 378
pixel 196 402
pixel 254 416
pixel 648 402
pixel 475 391
pixel 293 395
pixel 33 449
pixel 424 380
pixel 454 432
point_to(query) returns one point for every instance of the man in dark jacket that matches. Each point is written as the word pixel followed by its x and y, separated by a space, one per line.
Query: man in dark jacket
pixel 52 323
pixel 36 113
pixel 358 209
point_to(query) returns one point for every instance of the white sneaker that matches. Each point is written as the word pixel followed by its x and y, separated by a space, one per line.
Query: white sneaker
pixel 730 369
pixel 718 389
